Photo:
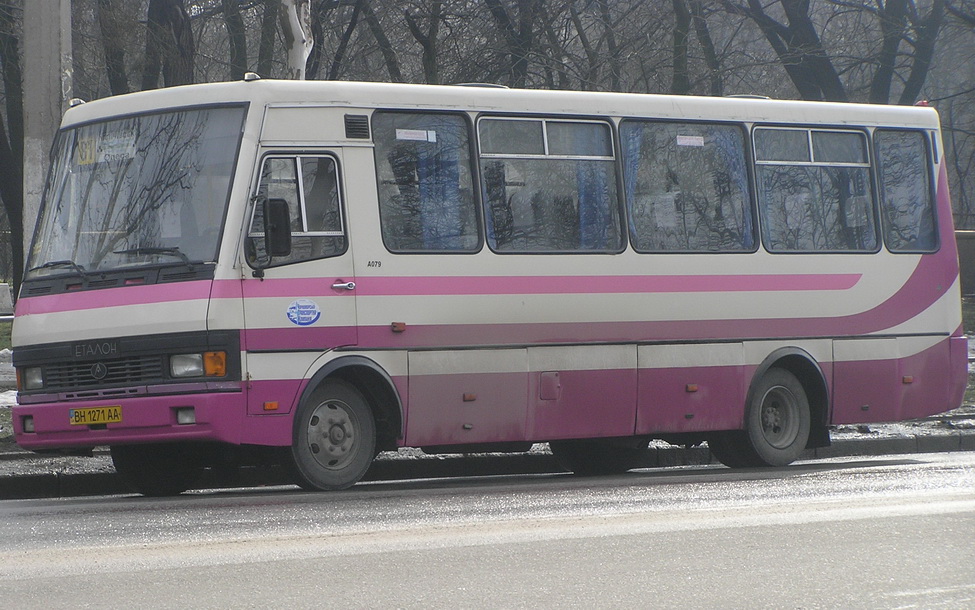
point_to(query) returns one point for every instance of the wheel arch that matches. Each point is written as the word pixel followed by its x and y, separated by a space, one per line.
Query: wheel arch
pixel 377 388
pixel 807 370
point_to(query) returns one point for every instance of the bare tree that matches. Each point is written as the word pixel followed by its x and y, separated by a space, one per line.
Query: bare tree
pixel 238 38
pixel 426 36
pixel 296 25
pixel 170 47
pixel 798 46
pixel 12 141
pixel 517 25
pixel 111 27
pixel 269 24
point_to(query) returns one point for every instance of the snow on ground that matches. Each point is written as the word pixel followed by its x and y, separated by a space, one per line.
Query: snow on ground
pixel 8 398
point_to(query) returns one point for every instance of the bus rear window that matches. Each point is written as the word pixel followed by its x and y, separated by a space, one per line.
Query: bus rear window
pixel 903 165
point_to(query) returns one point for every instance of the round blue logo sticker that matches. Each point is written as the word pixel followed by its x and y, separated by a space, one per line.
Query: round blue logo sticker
pixel 304 312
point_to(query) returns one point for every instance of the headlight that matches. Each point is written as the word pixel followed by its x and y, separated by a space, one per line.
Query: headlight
pixel 186 365
pixel 32 378
pixel 210 364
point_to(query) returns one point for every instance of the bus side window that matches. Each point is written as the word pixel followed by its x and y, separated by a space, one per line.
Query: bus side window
pixel 904 167
pixel 426 191
pixel 310 186
pixel 814 190
pixel 687 187
pixel 549 185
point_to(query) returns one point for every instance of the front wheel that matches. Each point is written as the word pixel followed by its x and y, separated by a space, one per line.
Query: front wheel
pixel 334 438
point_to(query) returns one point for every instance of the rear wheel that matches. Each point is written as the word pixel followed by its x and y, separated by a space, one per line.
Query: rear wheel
pixel 731 449
pixel 597 457
pixel 157 470
pixel 334 438
pixel 777 423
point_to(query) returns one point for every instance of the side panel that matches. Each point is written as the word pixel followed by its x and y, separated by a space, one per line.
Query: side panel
pixel 924 376
pixel 686 388
pixel 581 391
pixel 865 383
pixel 461 397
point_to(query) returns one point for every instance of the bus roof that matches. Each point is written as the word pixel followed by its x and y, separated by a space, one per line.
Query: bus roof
pixel 368 95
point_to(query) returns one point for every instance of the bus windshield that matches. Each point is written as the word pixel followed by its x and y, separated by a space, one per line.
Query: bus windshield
pixel 141 190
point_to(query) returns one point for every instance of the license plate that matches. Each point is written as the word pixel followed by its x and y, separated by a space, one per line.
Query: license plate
pixel 95 415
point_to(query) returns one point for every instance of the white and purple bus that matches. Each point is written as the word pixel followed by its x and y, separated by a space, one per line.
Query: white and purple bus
pixel 314 272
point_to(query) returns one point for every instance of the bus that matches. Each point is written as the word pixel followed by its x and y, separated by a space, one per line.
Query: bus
pixel 310 273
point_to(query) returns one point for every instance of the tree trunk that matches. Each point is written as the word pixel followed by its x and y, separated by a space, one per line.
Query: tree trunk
pixel 611 45
pixel 592 56
pixel 238 38
pixel 269 25
pixel 12 147
pixel 892 20
pixel 681 84
pixel 385 47
pixel 12 193
pixel 333 72
pixel 518 34
pixel 798 46
pixel 428 41
pixel 711 60
pixel 923 52
pixel 110 27
pixel 169 45
pixel 296 24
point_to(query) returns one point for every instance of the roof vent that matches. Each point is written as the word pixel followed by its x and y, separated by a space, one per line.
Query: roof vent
pixel 75 101
pixel 251 76
pixel 357 126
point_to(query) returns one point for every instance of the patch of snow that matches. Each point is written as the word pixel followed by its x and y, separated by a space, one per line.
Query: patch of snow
pixel 8 398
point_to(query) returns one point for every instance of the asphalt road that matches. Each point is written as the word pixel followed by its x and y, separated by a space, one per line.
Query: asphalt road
pixel 891 532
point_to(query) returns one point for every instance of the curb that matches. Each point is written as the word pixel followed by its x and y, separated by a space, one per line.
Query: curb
pixel 65 485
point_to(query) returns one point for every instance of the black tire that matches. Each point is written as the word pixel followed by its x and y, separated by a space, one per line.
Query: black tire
pixel 731 449
pixel 777 424
pixel 597 457
pixel 334 438
pixel 157 470
pixel 778 418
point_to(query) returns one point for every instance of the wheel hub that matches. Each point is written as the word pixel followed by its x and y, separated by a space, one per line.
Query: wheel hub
pixel 337 434
pixel 780 417
pixel 331 434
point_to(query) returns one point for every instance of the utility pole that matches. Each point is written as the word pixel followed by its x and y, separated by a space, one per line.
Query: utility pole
pixel 47 89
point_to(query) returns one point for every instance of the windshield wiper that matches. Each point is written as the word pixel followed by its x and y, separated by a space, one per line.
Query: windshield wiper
pixel 70 264
pixel 170 251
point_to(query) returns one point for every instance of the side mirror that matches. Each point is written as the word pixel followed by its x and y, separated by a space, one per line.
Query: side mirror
pixel 277 227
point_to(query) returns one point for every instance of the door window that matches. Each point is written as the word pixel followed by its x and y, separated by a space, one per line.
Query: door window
pixel 310 186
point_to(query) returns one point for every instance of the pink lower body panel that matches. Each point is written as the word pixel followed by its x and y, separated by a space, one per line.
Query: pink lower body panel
pixel 927 383
pixel 219 417
pixel 691 399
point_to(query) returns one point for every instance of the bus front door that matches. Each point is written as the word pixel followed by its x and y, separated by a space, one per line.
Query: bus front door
pixel 297 306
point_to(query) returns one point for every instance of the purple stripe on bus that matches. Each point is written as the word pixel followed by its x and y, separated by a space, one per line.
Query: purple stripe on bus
pixel 626 284
pixel 435 286
pixel 514 285
pixel 298 338
pixel 115 297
